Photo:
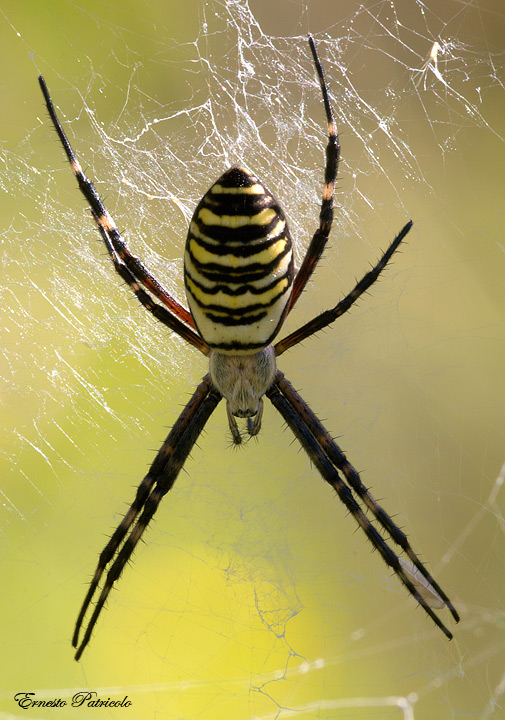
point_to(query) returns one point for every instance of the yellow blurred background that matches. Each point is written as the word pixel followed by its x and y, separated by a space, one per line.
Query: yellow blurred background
pixel 253 595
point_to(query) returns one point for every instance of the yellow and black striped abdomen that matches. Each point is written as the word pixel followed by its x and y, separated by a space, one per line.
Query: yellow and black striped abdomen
pixel 238 264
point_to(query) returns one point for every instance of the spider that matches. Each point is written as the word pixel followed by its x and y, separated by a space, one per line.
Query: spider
pixel 240 285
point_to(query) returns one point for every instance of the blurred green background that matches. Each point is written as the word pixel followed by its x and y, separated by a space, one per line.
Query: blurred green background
pixel 253 595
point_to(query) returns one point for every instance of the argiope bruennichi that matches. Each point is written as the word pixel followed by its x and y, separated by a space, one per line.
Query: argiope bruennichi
pixel 241 284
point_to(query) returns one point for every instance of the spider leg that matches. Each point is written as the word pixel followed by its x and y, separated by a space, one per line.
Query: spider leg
pixel 320 238
pixel 329 459
pixel 328 316
pixel 335 455
pixel 160 312
pixel 107 225
pixel 158 481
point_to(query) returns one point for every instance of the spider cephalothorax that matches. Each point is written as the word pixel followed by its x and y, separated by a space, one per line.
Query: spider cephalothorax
pixel 241 284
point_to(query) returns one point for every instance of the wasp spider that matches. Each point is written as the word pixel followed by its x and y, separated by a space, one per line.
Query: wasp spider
pixel 240 286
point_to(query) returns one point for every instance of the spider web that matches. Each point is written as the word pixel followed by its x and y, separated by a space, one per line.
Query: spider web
pixel 253 597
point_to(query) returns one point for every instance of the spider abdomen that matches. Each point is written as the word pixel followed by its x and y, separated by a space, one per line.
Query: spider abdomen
pixel 238 264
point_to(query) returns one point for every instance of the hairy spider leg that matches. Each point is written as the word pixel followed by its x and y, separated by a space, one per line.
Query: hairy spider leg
pixel 107 224
pixel 158 481
pixel 320 238
pixel 329 459
pixel 328 316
